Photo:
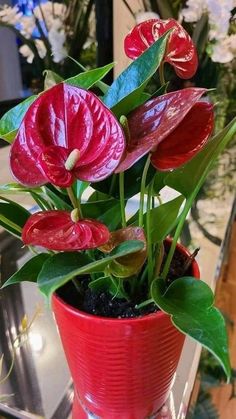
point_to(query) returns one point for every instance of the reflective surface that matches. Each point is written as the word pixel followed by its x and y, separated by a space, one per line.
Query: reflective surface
pixel 39 381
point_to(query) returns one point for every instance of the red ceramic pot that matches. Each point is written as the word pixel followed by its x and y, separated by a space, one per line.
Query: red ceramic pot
pixel 121 368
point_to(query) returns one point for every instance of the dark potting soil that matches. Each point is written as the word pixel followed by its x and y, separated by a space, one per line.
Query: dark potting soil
pixel 105 305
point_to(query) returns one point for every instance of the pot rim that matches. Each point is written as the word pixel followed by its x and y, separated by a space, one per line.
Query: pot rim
pixel 95 318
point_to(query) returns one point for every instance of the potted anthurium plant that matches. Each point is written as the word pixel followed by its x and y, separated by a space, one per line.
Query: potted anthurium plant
pixel 123 292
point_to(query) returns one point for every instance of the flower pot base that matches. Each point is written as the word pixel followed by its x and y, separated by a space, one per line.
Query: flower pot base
pixel 80 413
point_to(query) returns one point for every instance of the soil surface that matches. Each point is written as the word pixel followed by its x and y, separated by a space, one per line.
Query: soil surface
pixel 105 305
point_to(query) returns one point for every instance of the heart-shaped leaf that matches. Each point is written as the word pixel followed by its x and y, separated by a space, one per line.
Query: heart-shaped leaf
pixel 126 90
pixel 62 267
pixel 28 272
pixel 11 121
pixel 190 304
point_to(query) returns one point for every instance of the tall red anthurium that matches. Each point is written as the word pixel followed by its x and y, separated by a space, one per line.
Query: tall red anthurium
pixel 58 230
pixel 180 53
pixel 66 134
pixel 172 127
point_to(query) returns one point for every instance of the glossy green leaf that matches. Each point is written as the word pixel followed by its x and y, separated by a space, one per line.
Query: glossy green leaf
pixel 10 188
pixel 132 181
pixel 12 216
pixel 28 272
pixel 125 92
pixel 51 79
pixel 189 178
pixel 159 182
pixel 104 283
pixel 190 304
pixel 106 211
pixel 62 267
pixel 163 219
pixel 11 121
pixel 89 78
pixel 80 187
pixel 57 198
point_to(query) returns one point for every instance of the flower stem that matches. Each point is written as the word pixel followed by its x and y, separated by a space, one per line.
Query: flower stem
pixel 149 243
pixel 142 191
pixel 161 74
pixel 176 237
pixel 75 202
pixel 122 199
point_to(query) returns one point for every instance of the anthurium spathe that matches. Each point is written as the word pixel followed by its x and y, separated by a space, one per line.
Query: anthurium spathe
pixel 67 133
pixel 180 53
pixel 175 123
pixel 61 230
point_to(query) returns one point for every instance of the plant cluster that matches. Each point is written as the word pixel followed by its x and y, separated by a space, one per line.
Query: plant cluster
pixel 116 142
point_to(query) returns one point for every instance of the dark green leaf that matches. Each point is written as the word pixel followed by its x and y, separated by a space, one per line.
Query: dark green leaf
pixel 159 182
pixel 28 272
pixel 164 218
pixel 190 304
pixel 106 211
pixel 59 200
pixel 11 121
pixel 132 181
pixel 189 179
pixel 127 89
pixel 89 78
pixel 62 267
pixel 12 216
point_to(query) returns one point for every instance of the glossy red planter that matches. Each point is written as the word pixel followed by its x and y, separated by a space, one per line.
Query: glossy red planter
pixel 121 368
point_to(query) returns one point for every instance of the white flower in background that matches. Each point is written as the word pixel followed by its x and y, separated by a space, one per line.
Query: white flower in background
pixel 27 26
pixel 49 12
pixel 57 38
pixel 142 16
pixel 10 15
pixel 194 10
pixel 219 15
pixel 27 52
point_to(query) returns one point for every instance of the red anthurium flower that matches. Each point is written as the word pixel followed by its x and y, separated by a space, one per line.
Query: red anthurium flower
pixel 67 133
pixel 175 123
pixel 187 139
pixel 56 230
pixel 181 52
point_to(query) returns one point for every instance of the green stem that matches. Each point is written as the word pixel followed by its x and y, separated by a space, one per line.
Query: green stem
pixel 142 191
pixel 144 303
pixel 149 243
pixel 75 202
pixel 161 74
pixel 122 199
pixel 178 230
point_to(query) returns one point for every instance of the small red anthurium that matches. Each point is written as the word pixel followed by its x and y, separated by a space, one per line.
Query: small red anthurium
pixel 63 231
pixel 180 53
pixel 66 134
pixel 172 127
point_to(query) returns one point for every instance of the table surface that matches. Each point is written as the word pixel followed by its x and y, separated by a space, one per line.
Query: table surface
pixel 40 385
